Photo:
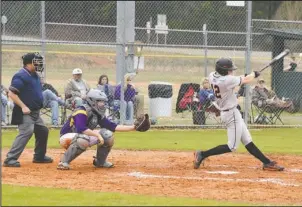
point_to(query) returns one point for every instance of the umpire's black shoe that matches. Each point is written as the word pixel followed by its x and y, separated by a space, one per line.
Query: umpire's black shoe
pixel 11 163
pixel 46 159
pixel 198 158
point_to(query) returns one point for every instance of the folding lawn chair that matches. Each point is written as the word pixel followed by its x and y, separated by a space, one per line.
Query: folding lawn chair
pixel 185 98
pixel 47 112
pixel 203 112
pixel 266 114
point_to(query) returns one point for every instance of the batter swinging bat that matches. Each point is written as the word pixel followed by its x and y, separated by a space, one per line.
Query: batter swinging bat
pixel 278 57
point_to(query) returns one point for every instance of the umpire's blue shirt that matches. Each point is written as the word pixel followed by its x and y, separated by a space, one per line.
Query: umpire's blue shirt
pixel 28 86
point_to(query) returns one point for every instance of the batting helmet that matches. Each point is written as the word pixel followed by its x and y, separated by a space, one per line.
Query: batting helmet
pixel 34 58
pixel 223 65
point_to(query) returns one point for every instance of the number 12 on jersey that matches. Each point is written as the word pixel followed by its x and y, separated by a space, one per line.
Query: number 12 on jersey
pixel 216 91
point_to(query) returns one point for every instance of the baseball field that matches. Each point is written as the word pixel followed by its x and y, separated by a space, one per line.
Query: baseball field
pixel 155 168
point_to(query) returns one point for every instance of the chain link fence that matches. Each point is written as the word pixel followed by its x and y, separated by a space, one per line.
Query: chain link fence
pixel 197 33
pixel 176 45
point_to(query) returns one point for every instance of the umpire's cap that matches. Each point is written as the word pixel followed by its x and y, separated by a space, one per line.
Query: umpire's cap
pixel 223 65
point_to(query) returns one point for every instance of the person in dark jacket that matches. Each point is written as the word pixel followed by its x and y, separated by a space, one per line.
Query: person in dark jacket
pixel 129 98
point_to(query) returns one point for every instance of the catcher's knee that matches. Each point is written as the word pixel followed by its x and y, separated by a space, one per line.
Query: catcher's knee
pixel 82 141
pixel 107 136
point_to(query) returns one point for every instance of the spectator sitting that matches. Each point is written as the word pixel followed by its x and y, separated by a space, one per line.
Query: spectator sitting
pixel 292 65
pixel 76 89
pixel 206 94
pixel 51 99
pixel 108 89
pixel 138 99
pixel 4 102
pixel 261 97
pixel 129 96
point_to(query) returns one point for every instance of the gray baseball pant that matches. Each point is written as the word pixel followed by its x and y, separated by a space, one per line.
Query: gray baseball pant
pixel 237 129
pixel 32 124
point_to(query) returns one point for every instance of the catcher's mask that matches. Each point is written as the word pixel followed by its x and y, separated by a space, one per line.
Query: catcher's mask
pixel 35 59
pixel 223 65
pixel 97 99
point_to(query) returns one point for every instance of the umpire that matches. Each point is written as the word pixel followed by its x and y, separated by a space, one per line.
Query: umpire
pixel 26 92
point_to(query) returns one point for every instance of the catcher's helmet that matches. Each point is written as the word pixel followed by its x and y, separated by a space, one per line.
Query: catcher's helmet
pixel 223 65
pixel 93 97
pixel 34 58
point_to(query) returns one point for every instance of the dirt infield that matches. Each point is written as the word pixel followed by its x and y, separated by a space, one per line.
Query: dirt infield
pixel 232 177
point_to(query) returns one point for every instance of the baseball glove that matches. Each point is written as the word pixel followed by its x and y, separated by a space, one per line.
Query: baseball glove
pixel 142 123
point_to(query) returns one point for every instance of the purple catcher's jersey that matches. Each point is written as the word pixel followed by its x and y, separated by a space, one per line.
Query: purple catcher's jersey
pixel 77 122
pixel 223 87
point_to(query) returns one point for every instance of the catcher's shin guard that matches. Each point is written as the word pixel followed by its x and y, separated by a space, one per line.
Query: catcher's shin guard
pixel 78 145
pixel 104 150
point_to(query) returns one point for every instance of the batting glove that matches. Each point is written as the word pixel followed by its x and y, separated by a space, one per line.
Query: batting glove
pixel 257 74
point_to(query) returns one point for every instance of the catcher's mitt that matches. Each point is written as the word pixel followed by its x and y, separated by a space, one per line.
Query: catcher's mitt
pixel 142 123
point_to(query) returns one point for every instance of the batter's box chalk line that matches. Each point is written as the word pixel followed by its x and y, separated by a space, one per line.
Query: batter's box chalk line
pixel 286 169
pixel 263 180
pixel 222 172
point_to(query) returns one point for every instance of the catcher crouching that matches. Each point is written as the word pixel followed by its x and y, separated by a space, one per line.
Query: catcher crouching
pixel 78 133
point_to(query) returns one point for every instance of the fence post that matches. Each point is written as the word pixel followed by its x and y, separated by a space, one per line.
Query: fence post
pixel 43 36
pixel 205 39
pixel 124 35
pixel 248 60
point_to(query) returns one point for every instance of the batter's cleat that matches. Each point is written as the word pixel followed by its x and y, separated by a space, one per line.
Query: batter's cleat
pixel 63 166
pixel 11 163
pixel 272 166
pixel 197 159
pixel 46 159
pixel 105 165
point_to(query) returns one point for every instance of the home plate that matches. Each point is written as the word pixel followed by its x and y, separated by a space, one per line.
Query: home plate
pixel 222 172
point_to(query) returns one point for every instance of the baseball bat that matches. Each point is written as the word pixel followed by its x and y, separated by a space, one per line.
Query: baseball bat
pixel 278 57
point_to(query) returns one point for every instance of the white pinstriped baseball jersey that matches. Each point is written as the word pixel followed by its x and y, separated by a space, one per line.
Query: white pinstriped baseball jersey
pixel 223 87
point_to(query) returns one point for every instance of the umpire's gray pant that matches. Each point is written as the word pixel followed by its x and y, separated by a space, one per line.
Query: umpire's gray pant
pixel 32 124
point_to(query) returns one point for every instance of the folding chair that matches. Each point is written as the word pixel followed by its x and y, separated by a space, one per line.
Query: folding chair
pixel 266 114
pixel 69 106
pixel 202 112
pixel 47 112
pixel 186 95
pixel 114 112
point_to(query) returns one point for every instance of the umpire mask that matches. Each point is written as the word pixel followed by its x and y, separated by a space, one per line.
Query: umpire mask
pixel 96 100
pixel 35 59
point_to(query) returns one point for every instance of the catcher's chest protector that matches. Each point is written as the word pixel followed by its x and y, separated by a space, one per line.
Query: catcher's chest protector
pixel 92 120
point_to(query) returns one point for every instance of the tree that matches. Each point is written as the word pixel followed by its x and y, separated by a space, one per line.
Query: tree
pixel 289 10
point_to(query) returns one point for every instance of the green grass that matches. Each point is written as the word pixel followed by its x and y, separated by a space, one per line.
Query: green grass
pixel 28 196
pixel 286 141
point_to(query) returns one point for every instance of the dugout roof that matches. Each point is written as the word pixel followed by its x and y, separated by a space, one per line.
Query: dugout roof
pixel 280 78
pixel 290 34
